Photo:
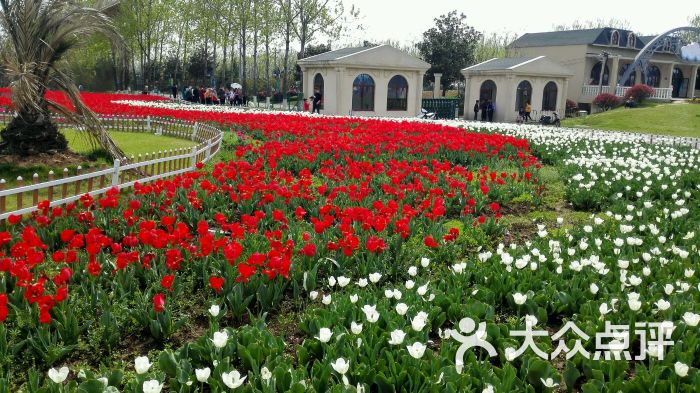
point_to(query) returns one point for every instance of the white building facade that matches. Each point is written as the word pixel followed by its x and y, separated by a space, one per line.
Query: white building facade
pixel 512 83
pixel 366 81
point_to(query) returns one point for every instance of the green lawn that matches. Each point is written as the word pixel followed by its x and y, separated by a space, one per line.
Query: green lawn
pixel 682 119
pixel 130 142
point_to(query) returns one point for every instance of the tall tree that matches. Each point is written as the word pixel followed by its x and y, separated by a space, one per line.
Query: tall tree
pixel 316 16
pixel 449 47
pixel 40 34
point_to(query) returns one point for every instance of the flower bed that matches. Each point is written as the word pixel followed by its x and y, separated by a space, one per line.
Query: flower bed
pixel 342 254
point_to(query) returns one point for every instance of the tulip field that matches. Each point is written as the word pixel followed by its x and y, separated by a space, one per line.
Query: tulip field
pixel 334 254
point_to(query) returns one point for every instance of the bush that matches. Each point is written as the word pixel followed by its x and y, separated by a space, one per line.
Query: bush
pixel 639 92
pixel 606 101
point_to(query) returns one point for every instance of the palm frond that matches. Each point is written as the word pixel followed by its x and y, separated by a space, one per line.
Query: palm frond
pixel 40 34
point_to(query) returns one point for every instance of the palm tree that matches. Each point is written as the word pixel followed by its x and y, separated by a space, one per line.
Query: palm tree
pixel 38 35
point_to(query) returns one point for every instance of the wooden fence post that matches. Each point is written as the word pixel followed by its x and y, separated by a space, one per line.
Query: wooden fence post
pixel 193 158
pixel 115 174
pixel 194 130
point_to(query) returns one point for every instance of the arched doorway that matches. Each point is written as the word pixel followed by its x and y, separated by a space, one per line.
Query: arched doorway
pixel 677 82
pixel 318 87
pixel 549 97
pixel 523 95
pixel 595 75
pixel 487 91
pixel 631 80
pixel 653 76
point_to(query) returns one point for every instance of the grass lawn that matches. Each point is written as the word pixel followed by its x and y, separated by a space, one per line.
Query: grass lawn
pixel 132 143
pixel 681 119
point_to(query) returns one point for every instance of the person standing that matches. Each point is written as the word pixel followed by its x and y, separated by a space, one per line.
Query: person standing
pixel 490 109
pixel 528 109
pixel 174 91
pixel 484 105
pixel 476 110
pixel 317 101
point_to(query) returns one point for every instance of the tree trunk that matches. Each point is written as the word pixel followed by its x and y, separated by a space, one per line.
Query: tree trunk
pixel 32 133
pixel 255 62
pixel 267 65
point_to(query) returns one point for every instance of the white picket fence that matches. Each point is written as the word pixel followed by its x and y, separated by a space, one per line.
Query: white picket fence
pixel 125 172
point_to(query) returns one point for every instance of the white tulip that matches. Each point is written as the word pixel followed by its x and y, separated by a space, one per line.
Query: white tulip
pixel 152 386
pixel 425 262
pixel 324 335
pixel 663 305
pixel 401 308
pixel 326 299
pixel 343 281
pixel 416 350
pixel 375 277
pixel 412 271
pixel 265 374
pixel 214 310
pixel 232 379
pixel 202 374
pixel 691 319
pixel 549 382
pixel 313 295
pixel 422 290
pixel 593 288
pixel 519 298
pixel 220 339
pixel 397 337
pixel 58 376
pixel 341 366
pixel 409 284
pixel 356 328
pixel 362 282
pixel 354 298
pixel 388 293
pixel 141 364
pixel 331 281
pixel 681 369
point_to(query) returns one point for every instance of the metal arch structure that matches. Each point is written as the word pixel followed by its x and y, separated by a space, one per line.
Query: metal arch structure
pixel 641 61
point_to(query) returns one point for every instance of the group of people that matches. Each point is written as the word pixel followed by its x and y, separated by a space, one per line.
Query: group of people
pixel 524 113
pixel 316 101
pixel 486 107
pixel 210 95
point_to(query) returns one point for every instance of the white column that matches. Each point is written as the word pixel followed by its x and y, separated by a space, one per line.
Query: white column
pixel 563 95
pixel 693 79
pixel 437 90
pixel 340 108
pixel 419 93
pixel 468 113
pixel 613 72
pixel 669 75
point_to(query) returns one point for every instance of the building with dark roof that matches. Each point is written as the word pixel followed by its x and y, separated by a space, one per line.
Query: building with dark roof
pixel 581 52
pixel 367 81
pixel 512 84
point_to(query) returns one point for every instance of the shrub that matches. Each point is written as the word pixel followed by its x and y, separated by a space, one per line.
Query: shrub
pixel 639 92
pixel 606 101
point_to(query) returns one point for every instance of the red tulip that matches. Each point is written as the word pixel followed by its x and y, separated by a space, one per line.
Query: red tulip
pixel 159 302
pixel 216 283
pixel 430 242
pixel 167 282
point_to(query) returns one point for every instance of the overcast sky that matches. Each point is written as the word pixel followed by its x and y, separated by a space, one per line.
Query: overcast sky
pixel 405 20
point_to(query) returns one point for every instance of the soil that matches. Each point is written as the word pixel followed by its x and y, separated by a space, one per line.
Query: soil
pixel 53 160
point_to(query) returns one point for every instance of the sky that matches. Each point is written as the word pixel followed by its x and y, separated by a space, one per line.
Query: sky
pixel 405 21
